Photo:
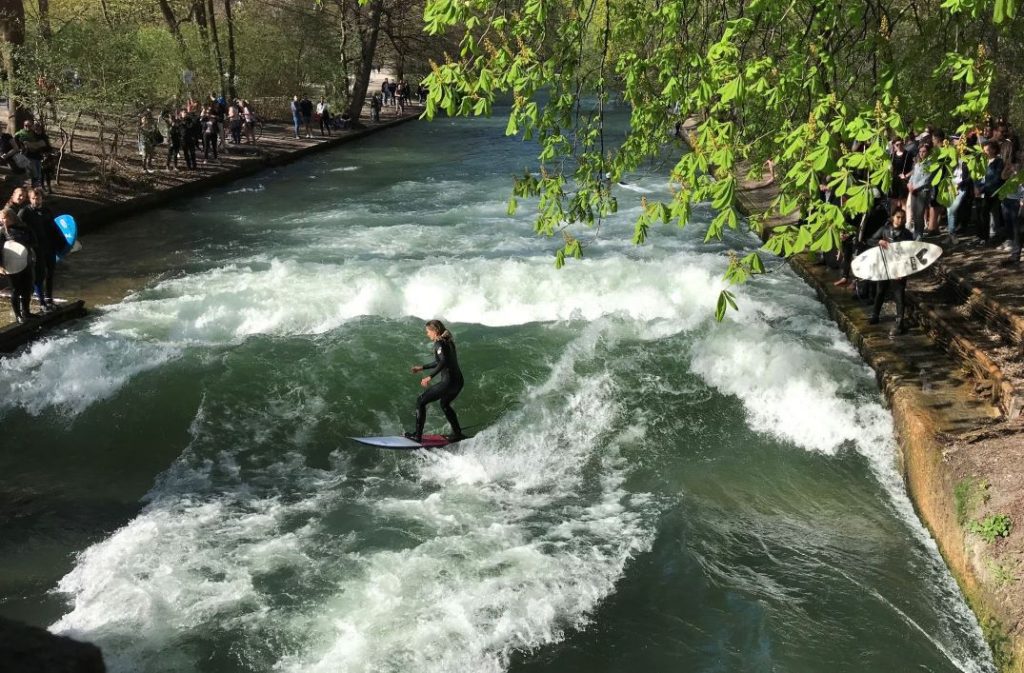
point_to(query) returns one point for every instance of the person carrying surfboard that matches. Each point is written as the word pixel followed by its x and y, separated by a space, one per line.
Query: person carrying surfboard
pixel 13 229
pixel 446 378
pixel 895 231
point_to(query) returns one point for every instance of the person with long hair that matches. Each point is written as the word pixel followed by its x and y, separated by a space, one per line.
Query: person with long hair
pixel 13 229
pixel 443 384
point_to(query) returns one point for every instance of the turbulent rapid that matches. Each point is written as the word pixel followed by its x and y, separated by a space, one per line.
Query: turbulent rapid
pixel 645 490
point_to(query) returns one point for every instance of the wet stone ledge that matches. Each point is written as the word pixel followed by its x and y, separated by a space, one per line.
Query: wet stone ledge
pixel 30 649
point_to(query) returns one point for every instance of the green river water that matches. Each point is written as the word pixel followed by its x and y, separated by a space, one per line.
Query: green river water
pixel 646 490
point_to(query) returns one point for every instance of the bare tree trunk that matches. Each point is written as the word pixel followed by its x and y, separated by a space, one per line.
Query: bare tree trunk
pixel 67 142
pixel 342 86
pixel 45 30
pixel 198 15
pixel 369 29
pixel 215 43
pixel 344 33
pixel 231 50
pixel 175 28
pixel 12 31
pixel 106 13
pixel 74 130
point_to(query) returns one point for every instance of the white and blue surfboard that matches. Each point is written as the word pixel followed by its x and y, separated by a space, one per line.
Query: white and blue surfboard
pixel 67 225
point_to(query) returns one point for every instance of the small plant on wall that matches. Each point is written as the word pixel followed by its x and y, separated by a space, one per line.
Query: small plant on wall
pixel 992 527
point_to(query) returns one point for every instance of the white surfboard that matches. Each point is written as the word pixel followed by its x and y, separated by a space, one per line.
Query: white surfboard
pixel 400 442
pixel 15 258
pixel 899 260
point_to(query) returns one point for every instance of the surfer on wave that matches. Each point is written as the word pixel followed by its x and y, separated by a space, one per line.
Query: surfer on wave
pixel 446 378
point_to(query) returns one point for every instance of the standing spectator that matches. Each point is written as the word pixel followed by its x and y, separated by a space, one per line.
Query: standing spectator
pixel 375 106
pixel 902 165
pixel 1008 204
pixel 296 108
pixel 323 113
pixel 1018 237
pixel 49 242
pixel 963 203
pixel 893 232
pixel 400 97
pixel 13 229
pixel 936 209
pixel 991 215
pixel 385 92
pixel 235 122
pixel 211 133
pixel 306 107
pixel 147 140
pixel 34 144
pixel 220 110
pixel 999 135
pixel 249 121
pixel 175 133
pixel 190 137
pixel 920 186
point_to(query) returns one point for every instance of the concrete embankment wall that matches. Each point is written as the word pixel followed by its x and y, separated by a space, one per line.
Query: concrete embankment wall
pixel 931 403
pixel 935 406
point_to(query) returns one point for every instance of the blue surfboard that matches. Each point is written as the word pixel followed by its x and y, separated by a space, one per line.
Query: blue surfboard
pixel 68 227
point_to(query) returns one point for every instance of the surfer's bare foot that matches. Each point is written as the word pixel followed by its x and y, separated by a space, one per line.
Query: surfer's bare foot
pixel 413 436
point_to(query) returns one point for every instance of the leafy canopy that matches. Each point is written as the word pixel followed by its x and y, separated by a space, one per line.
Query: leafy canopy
pixel 797 82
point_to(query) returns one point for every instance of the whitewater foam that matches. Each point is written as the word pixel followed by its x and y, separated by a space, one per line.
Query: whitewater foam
pixel 502 547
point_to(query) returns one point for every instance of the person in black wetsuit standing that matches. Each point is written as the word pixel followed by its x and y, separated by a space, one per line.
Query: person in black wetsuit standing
pixel 893 232
pixel 446 378
pixel 49 242
pixel 13 229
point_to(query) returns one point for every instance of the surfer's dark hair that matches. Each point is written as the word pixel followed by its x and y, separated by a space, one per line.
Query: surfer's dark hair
pixel 440 329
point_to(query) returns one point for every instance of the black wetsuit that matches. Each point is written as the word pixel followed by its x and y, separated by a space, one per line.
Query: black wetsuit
pixel 898 286
pixel 446 385
pixel 192 132
pixel 49 242
pixel 21 282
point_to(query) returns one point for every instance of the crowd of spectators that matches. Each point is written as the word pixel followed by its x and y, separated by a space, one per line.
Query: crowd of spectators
pixel 398 94
pixel 194 129
pixel 978 215
pixel 977 207
pixel 304 115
